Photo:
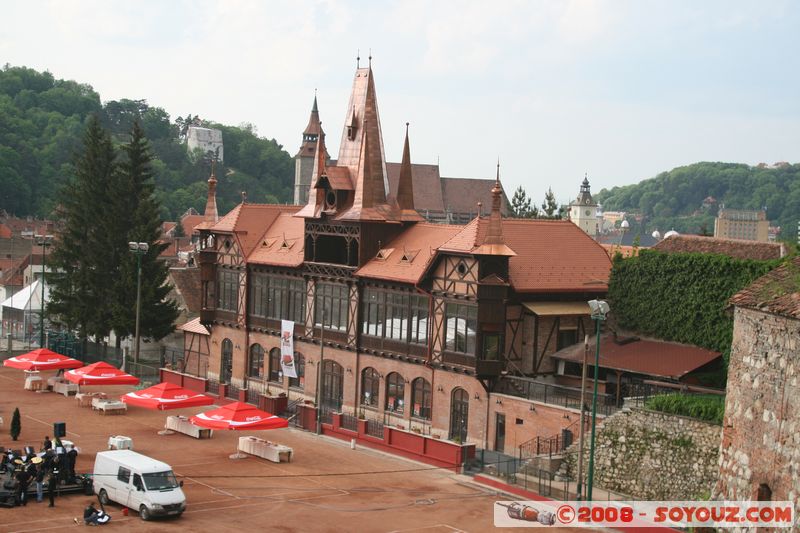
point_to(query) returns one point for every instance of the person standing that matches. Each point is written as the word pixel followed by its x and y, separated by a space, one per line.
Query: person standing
pixel 38 477
pixel 52 482
pixel 23 480
pixel 47 444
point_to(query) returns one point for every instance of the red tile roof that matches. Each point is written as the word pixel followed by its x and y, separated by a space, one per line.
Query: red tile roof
pixel 5 232
pixel 427 186
pixel 407 257
pixel 251 221
pixel 186 282
pixel 194 326
pixel 282 244
pixel 777 292
pixel 737 249
pixel 189 222
pixel 648 357
pixel 461 195
pixel 552 255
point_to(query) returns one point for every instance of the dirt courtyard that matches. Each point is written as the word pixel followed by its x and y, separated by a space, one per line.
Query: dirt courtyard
pixel 326 487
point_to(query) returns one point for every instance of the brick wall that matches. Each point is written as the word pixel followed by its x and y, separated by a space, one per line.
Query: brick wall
pixel 761 430
pixel 523 424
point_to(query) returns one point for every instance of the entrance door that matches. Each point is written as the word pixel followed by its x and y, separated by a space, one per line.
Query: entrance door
pixel 226 368
pixel 459 415
pixel 332 386
pixel 500 432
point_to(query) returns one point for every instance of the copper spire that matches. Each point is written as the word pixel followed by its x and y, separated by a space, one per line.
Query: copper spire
pixel 211 214
pixel 405 186
pixel 493 242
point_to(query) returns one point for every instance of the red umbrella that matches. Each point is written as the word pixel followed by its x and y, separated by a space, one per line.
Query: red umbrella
pixel 238 415
pixel 42 359
pixel 100 374
pixel 166 396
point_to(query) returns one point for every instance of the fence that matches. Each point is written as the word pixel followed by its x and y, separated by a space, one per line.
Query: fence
pixel 232 392
pixel 147 374
pixel 568 397
pixel 349 422
pixel 375 428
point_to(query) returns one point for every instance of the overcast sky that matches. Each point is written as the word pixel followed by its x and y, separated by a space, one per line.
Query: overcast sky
pixel 619 89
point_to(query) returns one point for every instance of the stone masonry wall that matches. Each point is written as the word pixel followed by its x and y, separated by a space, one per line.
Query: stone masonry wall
pixel 653 456
pixel 761 435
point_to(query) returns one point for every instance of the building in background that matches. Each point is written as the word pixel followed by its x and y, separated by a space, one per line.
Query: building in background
pixel 744 224
pixel 207 139
pixel 583 210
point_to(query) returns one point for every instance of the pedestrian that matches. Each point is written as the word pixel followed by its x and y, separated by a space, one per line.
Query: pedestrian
pixel 72 457
pixel 38 477
pixel 23 480
pixel 52 481
pixel 47 444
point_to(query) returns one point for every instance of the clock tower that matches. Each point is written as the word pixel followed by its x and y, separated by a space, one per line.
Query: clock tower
pixel 583 210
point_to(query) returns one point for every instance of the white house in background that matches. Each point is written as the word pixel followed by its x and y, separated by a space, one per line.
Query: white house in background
pixel 210 140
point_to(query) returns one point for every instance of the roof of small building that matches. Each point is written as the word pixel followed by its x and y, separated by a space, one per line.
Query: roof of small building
pixel 644 356
pixel 407 257
pixel 462 195
pixel 777 292
pixel 427 187
pixel 282 244
pixel 737 249
pixel 250 221
pixel 194 326
pixel 186 282
pixel 552 255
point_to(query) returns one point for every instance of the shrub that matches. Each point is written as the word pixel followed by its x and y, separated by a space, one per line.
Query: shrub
pixel 706 407
pixel 16 424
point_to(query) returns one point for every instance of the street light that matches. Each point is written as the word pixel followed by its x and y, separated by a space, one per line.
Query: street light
pixel 139 249
pixel 44 241
pixel 599 310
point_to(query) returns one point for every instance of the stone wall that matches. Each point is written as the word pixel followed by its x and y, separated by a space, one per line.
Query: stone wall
pixel 654 456
pixel 761 435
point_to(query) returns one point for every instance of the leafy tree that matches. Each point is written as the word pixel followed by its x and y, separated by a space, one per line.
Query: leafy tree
pixel 139 221
pixel 16 424
pixel 521 205
pixel 80 292
pixel 550 206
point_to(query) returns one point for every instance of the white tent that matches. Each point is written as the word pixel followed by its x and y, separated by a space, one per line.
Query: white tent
pixel 29 298
pixel 20 314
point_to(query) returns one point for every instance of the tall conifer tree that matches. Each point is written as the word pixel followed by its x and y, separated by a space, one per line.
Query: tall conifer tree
pixel 139 221
pixel 80 288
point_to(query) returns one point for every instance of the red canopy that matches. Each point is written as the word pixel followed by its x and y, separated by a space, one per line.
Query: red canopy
pixel 100 374
pixel 238 415
pixel 42 359
pixel 166 396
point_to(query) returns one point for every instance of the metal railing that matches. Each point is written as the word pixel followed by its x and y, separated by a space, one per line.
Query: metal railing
pixel 147 374
pixel 568 397
pixel 554 444
pixel 375 428
pixel 349 422
pixel 232 392
pixel 326 415
pixel 253 396
pixel 213 386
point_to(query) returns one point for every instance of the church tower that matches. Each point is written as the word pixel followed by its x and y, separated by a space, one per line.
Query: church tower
pixel 304 160
pixel 583 210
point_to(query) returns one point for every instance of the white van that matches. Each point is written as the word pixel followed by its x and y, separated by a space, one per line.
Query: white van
pixel 139 482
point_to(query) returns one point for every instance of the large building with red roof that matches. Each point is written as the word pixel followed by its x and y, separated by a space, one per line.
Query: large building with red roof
pixel 395 319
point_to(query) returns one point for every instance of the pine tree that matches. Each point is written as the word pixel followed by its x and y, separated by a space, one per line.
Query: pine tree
pixel 178 231
pixel 521 205
pixel 81 288
pixel 549 206
pixel 139 221
pixel 16 424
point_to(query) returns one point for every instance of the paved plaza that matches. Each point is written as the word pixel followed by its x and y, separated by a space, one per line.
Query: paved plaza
pixel 326 487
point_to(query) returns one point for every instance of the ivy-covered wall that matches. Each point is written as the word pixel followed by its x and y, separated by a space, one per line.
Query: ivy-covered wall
pixel 680 297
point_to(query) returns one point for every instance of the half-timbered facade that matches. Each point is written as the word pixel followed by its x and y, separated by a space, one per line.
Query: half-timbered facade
pixel 396 319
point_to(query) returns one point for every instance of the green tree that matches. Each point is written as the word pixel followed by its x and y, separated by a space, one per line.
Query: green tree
pixel 521 205
pixel 550 206
pixel 16 424
pixel 80 292
pixel 139 221
pixel 178 231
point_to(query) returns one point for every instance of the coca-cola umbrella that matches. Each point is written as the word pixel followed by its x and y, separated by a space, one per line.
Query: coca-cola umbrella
pixel 238 416
pixel 42 359
pixel 100 373
pixel 166 396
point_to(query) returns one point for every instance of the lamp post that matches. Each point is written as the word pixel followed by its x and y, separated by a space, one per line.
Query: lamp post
pixel 43 241
pixel 579 491
pixel 138 249
pixel 319 371
pixel 599 310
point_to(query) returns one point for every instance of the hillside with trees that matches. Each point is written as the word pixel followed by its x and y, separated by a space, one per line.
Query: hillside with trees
pixel 675 199
pixel 42 120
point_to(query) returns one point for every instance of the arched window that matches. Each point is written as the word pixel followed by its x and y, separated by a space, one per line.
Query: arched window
pixel 275 365
pixel 300 368
pixel 395 392
pixel 226 363
pixel 459 415
pixel 370 387
pixel 421 398
pixel 255 367
pixel 332 385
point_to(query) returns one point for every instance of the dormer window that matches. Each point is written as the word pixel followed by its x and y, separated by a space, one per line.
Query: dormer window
pixel 330 200
pixel 408 256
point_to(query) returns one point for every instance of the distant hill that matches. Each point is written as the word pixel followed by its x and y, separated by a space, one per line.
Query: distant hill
pixel 41 126
pixel 675 199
